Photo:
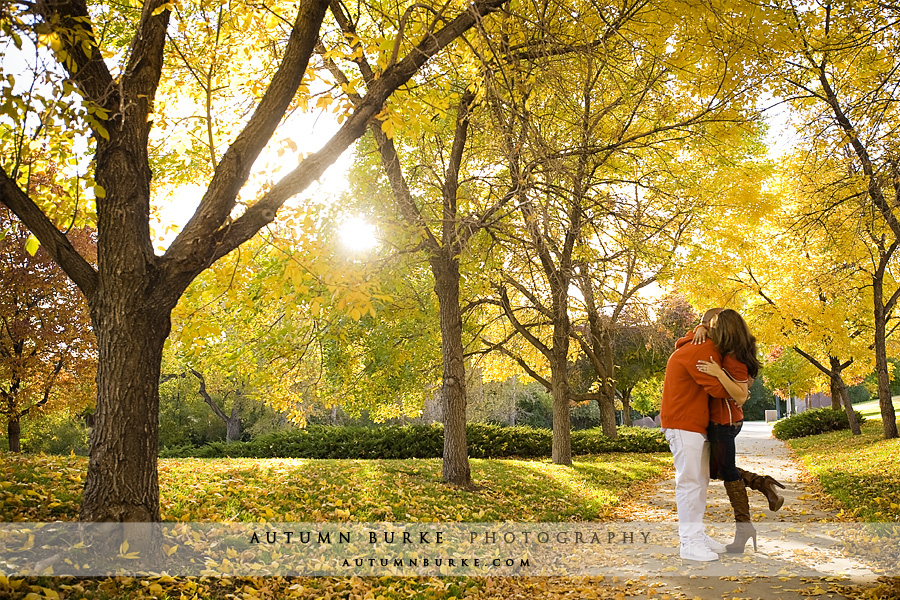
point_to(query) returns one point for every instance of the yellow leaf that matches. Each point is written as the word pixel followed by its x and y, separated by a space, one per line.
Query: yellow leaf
pixel 123 549
pixel 162 8
pixel 29 544
pixel 32 244
pixel 817 591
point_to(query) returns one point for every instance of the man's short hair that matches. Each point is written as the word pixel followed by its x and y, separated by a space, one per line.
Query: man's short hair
pixel 708 315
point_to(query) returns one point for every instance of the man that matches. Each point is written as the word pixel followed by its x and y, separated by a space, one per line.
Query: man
pixel 684 416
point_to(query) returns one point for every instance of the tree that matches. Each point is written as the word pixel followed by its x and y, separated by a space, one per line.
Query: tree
pixel 444 246
pixel 788 374
pixel 633 246
pixel 840 64
pixel 444 240
pixel 603 159
pixel 232 421
pixel 47 348
pixel 641 348
pixel 132 291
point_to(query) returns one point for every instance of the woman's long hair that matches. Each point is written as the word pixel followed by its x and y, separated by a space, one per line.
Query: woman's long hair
pixel 729 332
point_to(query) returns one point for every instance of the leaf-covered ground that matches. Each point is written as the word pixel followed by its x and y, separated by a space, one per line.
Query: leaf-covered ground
pixel 595 488
pixel 326 588
pixel 48 488
pixel 862 472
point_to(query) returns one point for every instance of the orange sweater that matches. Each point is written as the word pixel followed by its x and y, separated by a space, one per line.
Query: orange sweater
pixel 725 411
pixel 686 391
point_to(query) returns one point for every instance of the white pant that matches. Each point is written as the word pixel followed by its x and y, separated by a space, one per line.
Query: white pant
pixel 690 451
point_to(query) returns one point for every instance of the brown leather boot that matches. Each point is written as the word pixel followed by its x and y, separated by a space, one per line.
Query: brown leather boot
pixel 744 530
pixel 766 485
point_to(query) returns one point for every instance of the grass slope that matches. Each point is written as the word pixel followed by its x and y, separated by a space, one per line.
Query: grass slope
pixel 872 410
pixel 863 472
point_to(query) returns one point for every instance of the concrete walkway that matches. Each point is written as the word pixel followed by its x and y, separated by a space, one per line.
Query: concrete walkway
pixel 791 562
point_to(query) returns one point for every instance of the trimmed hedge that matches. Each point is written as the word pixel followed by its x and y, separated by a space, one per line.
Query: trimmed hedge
pixel 813 422
pixel 419 441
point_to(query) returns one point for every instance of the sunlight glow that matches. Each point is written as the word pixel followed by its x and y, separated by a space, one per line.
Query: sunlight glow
pixel 357 234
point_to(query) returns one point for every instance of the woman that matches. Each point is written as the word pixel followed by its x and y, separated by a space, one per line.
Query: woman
pixel 736 344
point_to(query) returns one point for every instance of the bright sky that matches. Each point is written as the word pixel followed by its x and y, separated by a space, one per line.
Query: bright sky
pixel 782 137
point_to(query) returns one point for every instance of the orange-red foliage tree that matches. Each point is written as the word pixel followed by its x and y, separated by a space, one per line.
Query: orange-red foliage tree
pixel 47 348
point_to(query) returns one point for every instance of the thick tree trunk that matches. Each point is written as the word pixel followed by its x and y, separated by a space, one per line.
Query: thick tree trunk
pixel 453 391
pixel 607 401
pixel 233 426
pixel 562 427
pixel 835 394
pixel 561 451
pixel 839 390
pixel 14 434
pixel 626 408
pixel 121 482
pixel 885 402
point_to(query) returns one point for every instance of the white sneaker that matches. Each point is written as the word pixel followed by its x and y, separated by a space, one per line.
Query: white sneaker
pixel 713 545
pixel 697 551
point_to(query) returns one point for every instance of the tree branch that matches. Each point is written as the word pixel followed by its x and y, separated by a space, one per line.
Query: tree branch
pixel 206 397
pixel 47 388
pixel 451 176
pixel 520 361
pixel 54 242
pixel 208 235
pixel 89 73
pixel 519 327
pixel 263 212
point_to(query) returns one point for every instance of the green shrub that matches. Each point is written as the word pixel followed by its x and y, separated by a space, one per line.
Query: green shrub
pixel 54 433
pixel 419 441
pixel 812 422
pixel 858 393
pixel 631 439
pixel 534 408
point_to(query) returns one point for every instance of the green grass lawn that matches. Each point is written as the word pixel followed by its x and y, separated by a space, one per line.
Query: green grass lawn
pixel 863 472
pixel 871 409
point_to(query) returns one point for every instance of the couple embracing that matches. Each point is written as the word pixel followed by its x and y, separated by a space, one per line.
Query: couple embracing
pixel 707 381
